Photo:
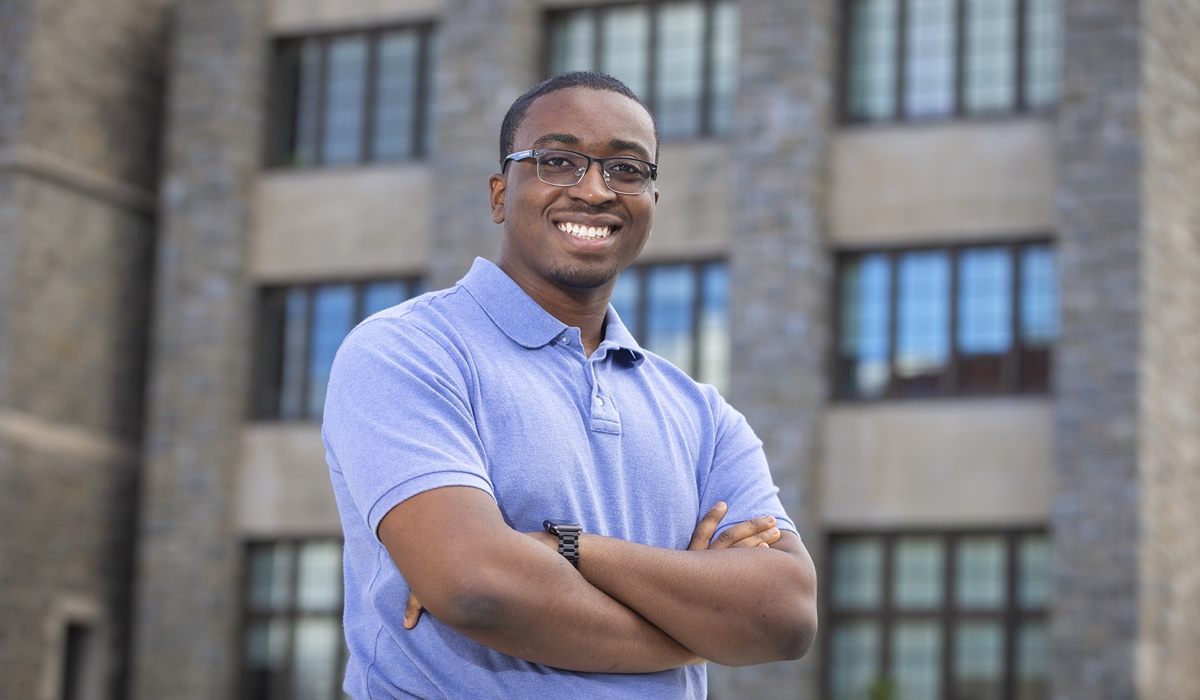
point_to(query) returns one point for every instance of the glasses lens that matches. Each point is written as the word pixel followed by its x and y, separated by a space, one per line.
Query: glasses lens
pixel 627 176
pixel 561 167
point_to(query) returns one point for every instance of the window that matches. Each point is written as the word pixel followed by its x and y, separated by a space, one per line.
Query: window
pixel 968 320
pixel 935 616
pixel 301 327
pixel 349 98
pixel 921 59
pixel 76 650
pixel 679 57
pixel 681 312
pixel 293 645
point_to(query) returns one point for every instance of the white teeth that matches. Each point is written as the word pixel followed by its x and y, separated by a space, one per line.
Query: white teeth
pixel 579 231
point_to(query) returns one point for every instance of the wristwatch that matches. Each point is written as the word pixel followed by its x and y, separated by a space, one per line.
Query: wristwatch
pixel 568 539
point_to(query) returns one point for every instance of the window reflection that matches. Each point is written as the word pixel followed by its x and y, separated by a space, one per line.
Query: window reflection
pixel 396 85
pixel 854 662
pixel 991 55
pixel 624 45
pixel 929 66
pixel 679 60
pixel 917 660
pixel 865 341
pixel 345 95
pixel 872 70
pixel 922 321
pixel 979 660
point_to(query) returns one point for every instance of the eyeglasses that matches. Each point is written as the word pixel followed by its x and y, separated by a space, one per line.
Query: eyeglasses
pixel 563 168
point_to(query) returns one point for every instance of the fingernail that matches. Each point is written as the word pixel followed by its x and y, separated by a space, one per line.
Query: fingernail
pixel 773 531
pixel 720 506
pixel 771 519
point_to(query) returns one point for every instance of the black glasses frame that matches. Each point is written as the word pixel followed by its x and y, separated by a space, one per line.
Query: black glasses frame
pixel 533 153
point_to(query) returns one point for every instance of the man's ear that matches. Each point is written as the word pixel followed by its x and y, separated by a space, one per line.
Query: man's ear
pixel 496 184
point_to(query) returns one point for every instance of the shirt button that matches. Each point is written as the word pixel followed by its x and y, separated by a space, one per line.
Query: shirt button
pixel 563 340
pixel 599 402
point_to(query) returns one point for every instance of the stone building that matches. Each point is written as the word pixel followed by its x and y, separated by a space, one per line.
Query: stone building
pixel 944 254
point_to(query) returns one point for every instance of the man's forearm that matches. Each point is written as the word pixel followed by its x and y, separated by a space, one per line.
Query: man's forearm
pixel 733 606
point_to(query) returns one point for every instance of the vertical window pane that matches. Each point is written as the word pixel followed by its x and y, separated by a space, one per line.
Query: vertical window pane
pixel 1033 651
pixel 679 61
pixel 923 320
pixel 916 660
pixel 315 667
pixel 1039 295
pixel 725 48
pixel 858 573
pixel 295 330
pixel 1043 51
pixel 979 661
pixel 714 327
pixel 571 36
pixel 985 301
pixel 872 55
pixel 929 64
pixel 396 95
pixel 865 346
pixel 991 55
pixel 625 300
pixel 345 94
pixel 266 657
pixel 319 578
pixel 625 46
pixel 432 48
pixel 670 290
pixel 308 102
pixel 378 296
pixel 332 319
pixel 271 577
pixel 918 571
pixel 980 573
pixel 854 659
pixel 1033 582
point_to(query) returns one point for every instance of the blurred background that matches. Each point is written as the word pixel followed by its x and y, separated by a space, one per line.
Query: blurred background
pixel 944 255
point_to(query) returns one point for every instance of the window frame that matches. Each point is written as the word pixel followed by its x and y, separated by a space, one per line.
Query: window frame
pixel 281 126
pixel 1020 107
pixel 947 613
pixel 1013 379
pixel 267 366
pixel 697 268
pixel 705 129
pixel 248 614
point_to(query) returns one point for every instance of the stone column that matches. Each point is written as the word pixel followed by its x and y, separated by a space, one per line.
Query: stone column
pixel 80 87
pixel 781 271
pixel 1095 514
pixel 1168 654
pixel 488 58
pixel 186 646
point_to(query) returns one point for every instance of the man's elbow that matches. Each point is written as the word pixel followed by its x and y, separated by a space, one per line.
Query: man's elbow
pixel 795 640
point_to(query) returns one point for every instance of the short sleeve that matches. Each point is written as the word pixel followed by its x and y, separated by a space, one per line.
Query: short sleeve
pixel 740 475
pixel 398 417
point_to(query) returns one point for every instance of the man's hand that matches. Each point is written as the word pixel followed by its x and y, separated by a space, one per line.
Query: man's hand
pixel 756 532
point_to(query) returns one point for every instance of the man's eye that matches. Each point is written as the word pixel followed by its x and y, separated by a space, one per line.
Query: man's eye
pixel 557 162
pixel 625 167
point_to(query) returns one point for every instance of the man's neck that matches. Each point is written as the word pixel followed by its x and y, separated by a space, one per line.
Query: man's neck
pixel 584 309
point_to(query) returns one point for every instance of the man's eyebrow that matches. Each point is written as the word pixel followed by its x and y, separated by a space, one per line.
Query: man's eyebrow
pixel 572 140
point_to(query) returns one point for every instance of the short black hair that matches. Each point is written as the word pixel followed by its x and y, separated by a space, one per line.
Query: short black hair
pixel 562 81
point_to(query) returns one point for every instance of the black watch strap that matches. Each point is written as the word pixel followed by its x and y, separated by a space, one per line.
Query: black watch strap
pixel 568 539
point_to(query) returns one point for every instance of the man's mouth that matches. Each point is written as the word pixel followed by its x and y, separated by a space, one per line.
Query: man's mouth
pixel 585 232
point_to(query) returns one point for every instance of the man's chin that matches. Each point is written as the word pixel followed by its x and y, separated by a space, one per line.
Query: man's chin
pixel 579 278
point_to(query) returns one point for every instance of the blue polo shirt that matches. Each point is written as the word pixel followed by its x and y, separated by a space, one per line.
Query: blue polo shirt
pixel 478 386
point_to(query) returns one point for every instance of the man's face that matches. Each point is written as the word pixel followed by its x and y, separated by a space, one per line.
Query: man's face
pixel 577 237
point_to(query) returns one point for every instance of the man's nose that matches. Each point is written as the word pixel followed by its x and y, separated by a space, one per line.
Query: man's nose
pixel 593 187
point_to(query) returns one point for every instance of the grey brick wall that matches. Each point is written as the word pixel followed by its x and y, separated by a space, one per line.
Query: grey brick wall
pixel 1169 631
pixel 75 239
pixel 488 59
pixel 188 568
pixel 781 271
pixel 1096 417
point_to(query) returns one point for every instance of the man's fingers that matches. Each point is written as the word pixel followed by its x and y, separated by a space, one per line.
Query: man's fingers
pixel 412 612
pixel 748 533
pixel 707 526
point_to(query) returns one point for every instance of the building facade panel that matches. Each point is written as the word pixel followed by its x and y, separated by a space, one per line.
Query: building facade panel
pixel 283 483
pixel 296 16
pixel 1169 451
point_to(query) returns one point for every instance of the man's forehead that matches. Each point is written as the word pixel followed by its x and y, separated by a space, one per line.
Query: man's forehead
pixel 570 116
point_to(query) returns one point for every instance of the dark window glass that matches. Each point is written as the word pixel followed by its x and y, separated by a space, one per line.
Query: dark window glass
pixel 77 647
pixel 680 312
pixel 680 57
pixel 923 59
pixel 301 328
pixel 930 616
pixel 352 97
pixel 969 320
pixel 293 645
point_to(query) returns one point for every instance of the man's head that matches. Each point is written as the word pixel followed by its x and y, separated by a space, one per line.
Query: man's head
pixel 585 79
pixel 563 238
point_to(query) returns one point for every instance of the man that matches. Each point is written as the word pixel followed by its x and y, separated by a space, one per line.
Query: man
pixel 472 432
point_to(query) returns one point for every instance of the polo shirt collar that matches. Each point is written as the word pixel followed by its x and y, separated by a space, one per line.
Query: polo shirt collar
pixel 524 321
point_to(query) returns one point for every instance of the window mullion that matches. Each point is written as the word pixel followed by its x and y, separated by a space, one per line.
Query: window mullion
pixel 1011 380
pixel 421 103
pixel 322 101
pixel 306 350
pixel 1019 62
pixel 367 148
pixel 893 323
pixel 948 614
pixel 652 59
pixel 950 381
pixel 887 613
pixel 706 68
pixel 1011 617
pixel 901 112
pixel 960 57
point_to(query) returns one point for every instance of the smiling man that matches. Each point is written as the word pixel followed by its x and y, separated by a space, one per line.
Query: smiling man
pixel 577 517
